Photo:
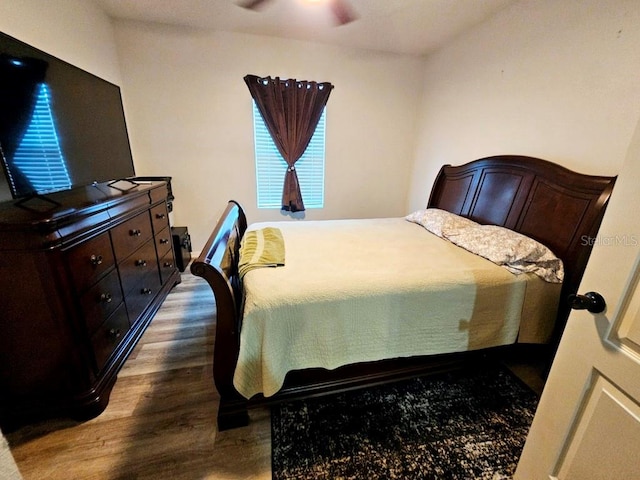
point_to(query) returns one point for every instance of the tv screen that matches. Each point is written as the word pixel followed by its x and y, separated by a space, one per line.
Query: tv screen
pixel 60 126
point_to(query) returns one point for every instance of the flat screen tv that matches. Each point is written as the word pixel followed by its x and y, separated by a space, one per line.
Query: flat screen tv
pixel 60 126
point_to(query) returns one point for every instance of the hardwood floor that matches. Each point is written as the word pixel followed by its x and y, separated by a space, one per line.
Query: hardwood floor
pixel 160 422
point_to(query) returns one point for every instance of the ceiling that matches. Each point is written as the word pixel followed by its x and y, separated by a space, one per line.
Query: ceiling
pixel 415 27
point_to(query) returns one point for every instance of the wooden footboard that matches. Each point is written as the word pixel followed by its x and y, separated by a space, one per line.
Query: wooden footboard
pixel 218 265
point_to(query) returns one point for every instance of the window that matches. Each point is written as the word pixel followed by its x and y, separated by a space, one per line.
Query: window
pixel 271 167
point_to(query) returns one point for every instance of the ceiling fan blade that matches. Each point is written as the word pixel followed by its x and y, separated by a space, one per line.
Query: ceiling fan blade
pixel 253 4
pixel 342 11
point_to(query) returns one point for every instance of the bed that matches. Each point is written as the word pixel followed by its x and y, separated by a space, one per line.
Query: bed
pixel 283 333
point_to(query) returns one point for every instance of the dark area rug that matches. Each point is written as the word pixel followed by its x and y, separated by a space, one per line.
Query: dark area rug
pixel 461 425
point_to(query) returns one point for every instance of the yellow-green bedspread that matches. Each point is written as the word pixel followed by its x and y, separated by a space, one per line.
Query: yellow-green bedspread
pixel 365 290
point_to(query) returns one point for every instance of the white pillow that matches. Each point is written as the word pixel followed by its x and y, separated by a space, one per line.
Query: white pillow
pixel 437 221
pixel 512 250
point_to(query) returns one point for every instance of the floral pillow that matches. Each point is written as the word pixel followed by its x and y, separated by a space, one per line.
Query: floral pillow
pixel 514 251
pixel 438 221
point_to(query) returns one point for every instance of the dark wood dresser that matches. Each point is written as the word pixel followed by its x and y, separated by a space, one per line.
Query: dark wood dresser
pixel 80 280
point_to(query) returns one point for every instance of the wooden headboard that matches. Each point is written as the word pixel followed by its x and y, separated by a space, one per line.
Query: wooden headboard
pixel 558 207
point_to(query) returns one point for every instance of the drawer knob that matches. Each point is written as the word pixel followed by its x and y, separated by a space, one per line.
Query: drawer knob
pixel 95 260
pixel 146 291
pixel 115 333
pixel 168 265
pixel 164 241
pixel 106 297
pixel 141 263
pixel 160 215
pixel 135 232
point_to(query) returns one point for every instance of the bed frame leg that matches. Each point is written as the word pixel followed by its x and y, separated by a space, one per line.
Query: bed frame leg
pixel 232 413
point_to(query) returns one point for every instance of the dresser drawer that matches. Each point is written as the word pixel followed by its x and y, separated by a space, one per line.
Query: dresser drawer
pixel 167 266
pixel 109 335
pixel 90 260
pixel 130 235
pixel 163 242
pixel 142 262
pixel 142 294
pixel 159 217
pixel 100 301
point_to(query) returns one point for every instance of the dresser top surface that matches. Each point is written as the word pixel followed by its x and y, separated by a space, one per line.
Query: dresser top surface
pixel 49 212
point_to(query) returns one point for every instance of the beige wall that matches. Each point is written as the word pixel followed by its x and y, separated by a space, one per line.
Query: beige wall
pixel 190 117
pixel 548 78
pixel 74 30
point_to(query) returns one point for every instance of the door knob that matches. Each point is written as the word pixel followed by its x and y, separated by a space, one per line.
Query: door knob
pixel 592 301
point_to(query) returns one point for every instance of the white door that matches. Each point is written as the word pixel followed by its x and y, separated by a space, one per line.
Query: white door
pixel 587 425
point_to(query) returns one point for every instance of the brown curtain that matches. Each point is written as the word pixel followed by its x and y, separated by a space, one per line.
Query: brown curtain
pixel 291 110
